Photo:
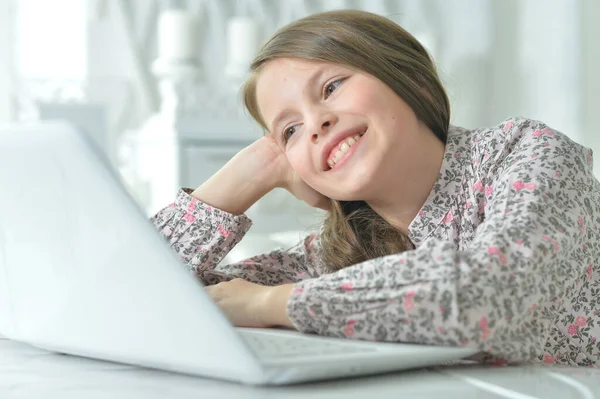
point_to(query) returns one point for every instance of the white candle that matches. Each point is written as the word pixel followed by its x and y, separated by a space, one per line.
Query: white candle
pixel 177 35
pixel 243 41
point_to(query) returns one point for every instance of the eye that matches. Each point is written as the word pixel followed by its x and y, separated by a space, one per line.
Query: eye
pixel 287 133
pixel 331 87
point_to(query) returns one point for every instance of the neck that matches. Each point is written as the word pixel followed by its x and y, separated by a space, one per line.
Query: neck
pixel 404 194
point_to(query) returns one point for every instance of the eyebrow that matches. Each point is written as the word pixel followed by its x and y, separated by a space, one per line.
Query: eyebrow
pixel 311 80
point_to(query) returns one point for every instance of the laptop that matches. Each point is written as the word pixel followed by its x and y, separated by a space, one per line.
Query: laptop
pixel 84 272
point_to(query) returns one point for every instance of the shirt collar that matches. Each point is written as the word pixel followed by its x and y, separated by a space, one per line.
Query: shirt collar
pixel 446 187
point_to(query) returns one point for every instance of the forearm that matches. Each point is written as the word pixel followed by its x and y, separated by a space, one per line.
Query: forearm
pixel 246 178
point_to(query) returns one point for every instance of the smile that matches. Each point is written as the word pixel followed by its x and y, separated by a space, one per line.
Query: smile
pixel 343 151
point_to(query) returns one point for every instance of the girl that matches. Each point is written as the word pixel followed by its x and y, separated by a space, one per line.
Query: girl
pixel 435 234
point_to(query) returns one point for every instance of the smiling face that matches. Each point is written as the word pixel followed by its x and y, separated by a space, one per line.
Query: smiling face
pixel 346 133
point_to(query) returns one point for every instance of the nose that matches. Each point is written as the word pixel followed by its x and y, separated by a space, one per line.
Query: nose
pixel 324 123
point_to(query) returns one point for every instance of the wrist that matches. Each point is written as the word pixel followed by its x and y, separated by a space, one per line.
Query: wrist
pixel 273 306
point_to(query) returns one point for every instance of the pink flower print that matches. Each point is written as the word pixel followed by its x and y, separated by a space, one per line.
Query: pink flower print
pixel 545 131
pixel 589 272
pixel 297 291
pixel 498 362
pixel 421 213
pixel 189 217
pixel 580 321
pixel 534 306
pixel 508 125
pixel 496 251
pixel 485 331
pixel 483 323
pixel 223 231
pixel 593 339
pixel 554 243
pixel 468 205
pixel 549 359
pixel 448 218
pixel 478 186
pixel 572 329
pixel 347 286
pixel 557 174
pixel 488 191
pixel 518 185
pixel 581 224
pixel 173 205
pixel 191 206
pixel 519 242
pixel 349 328
pixel 408 301
pixel 590 157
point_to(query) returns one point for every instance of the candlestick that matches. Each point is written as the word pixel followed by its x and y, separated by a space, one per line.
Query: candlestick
pixel 243 41
pixel 178 35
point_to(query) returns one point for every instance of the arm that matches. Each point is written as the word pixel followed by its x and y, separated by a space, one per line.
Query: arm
pixel 203 225
pixel 501 293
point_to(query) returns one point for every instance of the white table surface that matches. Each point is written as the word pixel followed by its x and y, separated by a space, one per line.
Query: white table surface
pixel 28 372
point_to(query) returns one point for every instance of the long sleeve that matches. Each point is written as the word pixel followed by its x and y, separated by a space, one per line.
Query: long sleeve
pixel 203 235
pixel 501 293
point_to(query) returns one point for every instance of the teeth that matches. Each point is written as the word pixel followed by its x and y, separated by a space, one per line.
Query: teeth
pixel 343 149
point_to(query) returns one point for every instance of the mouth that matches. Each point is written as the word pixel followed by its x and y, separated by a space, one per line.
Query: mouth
pixel 341 148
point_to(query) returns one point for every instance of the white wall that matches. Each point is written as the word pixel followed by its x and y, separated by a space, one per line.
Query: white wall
pixel 6 89
pixel 498 58
pixel 590 29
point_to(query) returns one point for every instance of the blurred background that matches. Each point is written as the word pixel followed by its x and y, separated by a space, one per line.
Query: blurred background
pixel 156 83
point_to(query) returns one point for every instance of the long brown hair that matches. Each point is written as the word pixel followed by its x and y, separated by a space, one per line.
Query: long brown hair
pixel 353 232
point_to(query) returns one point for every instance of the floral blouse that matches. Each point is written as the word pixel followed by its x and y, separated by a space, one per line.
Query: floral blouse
pixel 506 258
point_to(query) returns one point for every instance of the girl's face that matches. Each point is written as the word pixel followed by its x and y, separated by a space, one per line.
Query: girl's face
pixel 344 132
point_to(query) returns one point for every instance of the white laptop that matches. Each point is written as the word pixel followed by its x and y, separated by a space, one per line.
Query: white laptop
pixel 84 272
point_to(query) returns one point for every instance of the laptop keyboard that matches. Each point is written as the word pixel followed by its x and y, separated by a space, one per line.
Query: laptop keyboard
pixel 285 346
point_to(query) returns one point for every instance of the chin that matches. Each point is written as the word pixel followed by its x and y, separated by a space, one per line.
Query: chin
pixel 351 194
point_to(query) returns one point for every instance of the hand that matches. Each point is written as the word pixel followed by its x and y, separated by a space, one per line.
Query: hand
pixel 252 173
pixel 252 305
pixel 286 177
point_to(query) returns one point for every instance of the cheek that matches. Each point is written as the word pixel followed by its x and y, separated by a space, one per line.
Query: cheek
pixel 300 161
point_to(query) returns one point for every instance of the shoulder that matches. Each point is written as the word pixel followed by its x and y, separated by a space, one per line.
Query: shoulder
pixel 519 140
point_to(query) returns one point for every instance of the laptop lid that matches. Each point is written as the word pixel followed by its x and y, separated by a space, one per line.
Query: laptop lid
pixel 82 270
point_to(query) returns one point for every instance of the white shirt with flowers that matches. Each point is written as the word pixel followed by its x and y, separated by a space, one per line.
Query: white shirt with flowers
pixel 507 256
